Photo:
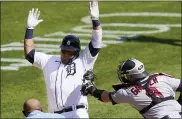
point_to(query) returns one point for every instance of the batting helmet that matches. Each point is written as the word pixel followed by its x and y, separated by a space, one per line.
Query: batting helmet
pixel 70 42
pixel 131 71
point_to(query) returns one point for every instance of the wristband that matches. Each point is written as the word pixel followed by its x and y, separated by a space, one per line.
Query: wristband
pixel 29 34
pixel 95 23
pixel 97 94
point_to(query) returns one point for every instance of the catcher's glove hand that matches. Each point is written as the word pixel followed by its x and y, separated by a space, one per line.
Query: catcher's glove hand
pixel 88 83
pixel 89 76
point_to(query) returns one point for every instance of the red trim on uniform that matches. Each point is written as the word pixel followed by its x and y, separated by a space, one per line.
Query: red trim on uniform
pixel 165 74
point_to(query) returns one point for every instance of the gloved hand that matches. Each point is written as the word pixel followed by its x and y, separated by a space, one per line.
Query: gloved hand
pixel 87 88
pixel 94 10
pixel 89 76
pixel 88 83
pixel 32 20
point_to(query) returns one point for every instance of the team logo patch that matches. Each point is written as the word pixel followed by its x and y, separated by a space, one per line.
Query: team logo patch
pixel 71 69
pixel 68 43
pixel 139 68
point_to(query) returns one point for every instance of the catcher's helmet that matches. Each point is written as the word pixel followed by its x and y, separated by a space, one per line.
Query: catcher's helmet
pixel 131 71
pixel 70 42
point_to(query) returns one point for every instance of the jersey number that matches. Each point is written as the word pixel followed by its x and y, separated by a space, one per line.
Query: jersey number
pixel 156 92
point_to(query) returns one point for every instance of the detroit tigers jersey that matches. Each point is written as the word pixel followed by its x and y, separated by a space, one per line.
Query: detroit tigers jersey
pixel 63 82
pixel 162 86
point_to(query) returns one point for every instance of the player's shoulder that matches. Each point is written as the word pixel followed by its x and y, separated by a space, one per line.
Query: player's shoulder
pixel 78 59
pixel 42 54
pixel 166 74
pixel 55 57
pixel 162 74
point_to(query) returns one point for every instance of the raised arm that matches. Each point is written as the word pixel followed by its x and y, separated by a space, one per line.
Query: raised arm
pixel 32 21
pixel 96 42
pixel 90 53
pixel 94 13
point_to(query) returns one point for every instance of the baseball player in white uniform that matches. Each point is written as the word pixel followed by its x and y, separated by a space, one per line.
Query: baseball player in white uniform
pixel 63 75
pixel 152 95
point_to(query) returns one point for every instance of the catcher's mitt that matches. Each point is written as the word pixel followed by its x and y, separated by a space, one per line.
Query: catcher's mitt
pixel 88 82
pixel 89 76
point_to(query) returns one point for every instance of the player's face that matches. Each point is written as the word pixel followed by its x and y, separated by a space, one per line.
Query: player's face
pixel 66 55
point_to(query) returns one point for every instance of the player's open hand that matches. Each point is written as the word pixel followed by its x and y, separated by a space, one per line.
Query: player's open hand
pixel 33 18
pixel 94 9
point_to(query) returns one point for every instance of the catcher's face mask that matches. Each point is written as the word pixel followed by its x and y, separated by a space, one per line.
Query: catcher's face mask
pixel 121 74
pixel 131 71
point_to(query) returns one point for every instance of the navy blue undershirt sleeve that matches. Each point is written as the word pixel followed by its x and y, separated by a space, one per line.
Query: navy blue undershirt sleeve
pixel 180 99
pixel 30 56
pixel 180 90
pixel 93 51
pixel 180 87
pixel 110 97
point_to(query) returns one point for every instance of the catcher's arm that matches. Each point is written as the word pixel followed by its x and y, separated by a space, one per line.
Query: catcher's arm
pixel 101 95
pixel 32 21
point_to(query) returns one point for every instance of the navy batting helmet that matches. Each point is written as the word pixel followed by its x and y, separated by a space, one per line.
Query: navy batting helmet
pixel 131 71
pixel 70 42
